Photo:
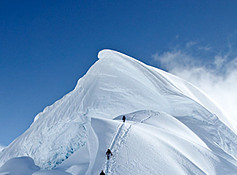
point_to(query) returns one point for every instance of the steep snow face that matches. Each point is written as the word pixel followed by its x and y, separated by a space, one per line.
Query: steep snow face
pixel 118 84
pixel 197 95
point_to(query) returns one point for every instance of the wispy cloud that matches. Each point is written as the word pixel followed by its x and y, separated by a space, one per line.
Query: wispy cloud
pixel 216 74
pixel 190 44
pixel 205 48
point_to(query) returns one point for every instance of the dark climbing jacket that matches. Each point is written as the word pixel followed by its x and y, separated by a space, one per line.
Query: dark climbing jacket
pixel 124 118
pixel 102 173
pixel 109 152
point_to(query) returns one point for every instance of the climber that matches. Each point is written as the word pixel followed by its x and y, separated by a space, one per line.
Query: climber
pixel 108 153
pixel 102 173
pixel 124 118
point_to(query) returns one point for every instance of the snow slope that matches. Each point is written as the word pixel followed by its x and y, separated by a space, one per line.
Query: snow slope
pixel 20 165
pixel 1 148
pixel 171 125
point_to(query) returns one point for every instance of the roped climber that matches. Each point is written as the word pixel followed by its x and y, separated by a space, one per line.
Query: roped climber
pixel 108 154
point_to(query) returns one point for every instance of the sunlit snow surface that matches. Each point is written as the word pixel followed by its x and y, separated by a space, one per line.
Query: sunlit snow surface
pixel 171 127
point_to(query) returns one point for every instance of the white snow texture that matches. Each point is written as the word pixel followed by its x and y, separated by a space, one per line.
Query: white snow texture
pixel 171 127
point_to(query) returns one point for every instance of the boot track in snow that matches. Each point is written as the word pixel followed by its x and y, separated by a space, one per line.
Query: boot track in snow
pixel 117 141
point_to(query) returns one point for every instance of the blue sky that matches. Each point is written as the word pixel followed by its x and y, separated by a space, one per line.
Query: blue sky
pixel 46 46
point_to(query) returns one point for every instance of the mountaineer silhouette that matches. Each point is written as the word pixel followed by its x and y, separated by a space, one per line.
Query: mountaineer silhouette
pixel 108 153
pixel 124 118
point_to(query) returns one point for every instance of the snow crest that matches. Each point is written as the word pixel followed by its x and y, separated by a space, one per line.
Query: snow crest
pixel 171 126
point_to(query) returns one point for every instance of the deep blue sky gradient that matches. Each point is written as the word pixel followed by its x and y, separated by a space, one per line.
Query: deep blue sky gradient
pixel 46 46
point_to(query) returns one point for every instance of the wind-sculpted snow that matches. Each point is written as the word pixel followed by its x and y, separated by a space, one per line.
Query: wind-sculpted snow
pixel 171 128
pixel 155 143
pixel 20 165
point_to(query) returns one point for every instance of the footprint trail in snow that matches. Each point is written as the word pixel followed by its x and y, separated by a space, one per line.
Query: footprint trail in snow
pixel 118 140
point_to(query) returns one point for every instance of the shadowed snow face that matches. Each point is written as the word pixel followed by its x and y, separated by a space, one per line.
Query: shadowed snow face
pixel 214 73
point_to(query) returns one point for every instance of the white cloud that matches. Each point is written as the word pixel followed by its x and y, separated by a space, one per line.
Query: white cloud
pixel 205 48
pixel 190 44
pixel 218 77
pixel 219 61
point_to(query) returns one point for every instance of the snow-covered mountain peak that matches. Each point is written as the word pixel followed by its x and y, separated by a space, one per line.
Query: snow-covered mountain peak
pixel 112 54
pixel 85 122
pixel 107 53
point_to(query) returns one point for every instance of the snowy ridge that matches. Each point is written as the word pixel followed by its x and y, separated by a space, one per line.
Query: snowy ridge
pixel 171 127
pixel 118 139
pixel 174 138
pixel 1 148
pixel 198 95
